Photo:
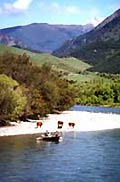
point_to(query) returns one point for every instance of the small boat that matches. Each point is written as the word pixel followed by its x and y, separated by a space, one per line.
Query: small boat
pixel 53 137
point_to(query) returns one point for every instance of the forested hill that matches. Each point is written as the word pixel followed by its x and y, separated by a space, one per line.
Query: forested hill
pixel 98 47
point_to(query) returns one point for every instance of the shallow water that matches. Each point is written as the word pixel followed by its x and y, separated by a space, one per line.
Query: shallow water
pixel 81 157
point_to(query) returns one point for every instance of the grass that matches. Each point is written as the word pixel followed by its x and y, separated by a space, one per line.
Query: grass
pixel 83 77
pixel 70 65
pixel 71 68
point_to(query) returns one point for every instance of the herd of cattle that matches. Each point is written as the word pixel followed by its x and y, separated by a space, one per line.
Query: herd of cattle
pixel 60 124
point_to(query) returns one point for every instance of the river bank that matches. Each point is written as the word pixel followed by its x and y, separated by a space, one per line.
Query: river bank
pixel 84 121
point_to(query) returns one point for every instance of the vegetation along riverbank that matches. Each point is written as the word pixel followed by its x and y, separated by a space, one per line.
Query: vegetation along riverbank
pixel 34 90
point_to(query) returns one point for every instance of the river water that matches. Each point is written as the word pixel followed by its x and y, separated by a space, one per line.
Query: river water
pixel 92 156
pixel 96 109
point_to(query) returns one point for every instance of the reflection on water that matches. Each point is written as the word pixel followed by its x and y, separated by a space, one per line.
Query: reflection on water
pixel 81 157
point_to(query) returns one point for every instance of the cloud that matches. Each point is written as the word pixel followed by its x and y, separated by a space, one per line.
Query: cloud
pixel 16 7
pixel 59 9
pixel 69 12
pixel 96 20
pixel 22 4
pixel 96 17
pixel 72 10
pixel 94 12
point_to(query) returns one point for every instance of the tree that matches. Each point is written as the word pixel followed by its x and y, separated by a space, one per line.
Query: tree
pixel 44 89
pixel 12 100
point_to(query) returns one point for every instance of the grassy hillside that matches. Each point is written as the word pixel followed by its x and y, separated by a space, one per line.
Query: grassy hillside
pixel 83 77
pixel 47 92
pixel 60 64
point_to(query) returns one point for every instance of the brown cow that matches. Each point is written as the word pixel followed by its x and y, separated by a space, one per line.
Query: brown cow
pixel 60 124
pixel 71 125
pixel 39 124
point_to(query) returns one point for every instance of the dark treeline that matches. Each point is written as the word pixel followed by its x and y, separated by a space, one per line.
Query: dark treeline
pixel 28 91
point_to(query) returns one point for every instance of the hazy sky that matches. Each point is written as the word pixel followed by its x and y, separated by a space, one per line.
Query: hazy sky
pixel 22 12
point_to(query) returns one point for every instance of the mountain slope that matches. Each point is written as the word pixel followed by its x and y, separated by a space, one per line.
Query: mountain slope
pixel 97 46
pixel 110 65
pixel 8 40
pixel 43 37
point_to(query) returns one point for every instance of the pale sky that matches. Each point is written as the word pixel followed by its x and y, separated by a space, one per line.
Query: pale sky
pixel 23 12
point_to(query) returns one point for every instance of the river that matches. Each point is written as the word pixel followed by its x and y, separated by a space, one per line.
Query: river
pixel 92 156
pixel 96 109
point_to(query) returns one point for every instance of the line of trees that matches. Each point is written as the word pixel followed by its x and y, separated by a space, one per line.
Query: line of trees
pixel 99 92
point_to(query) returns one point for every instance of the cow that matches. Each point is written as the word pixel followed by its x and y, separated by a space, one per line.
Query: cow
pixel 39 124
pixel 71 125
pixel 60 124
